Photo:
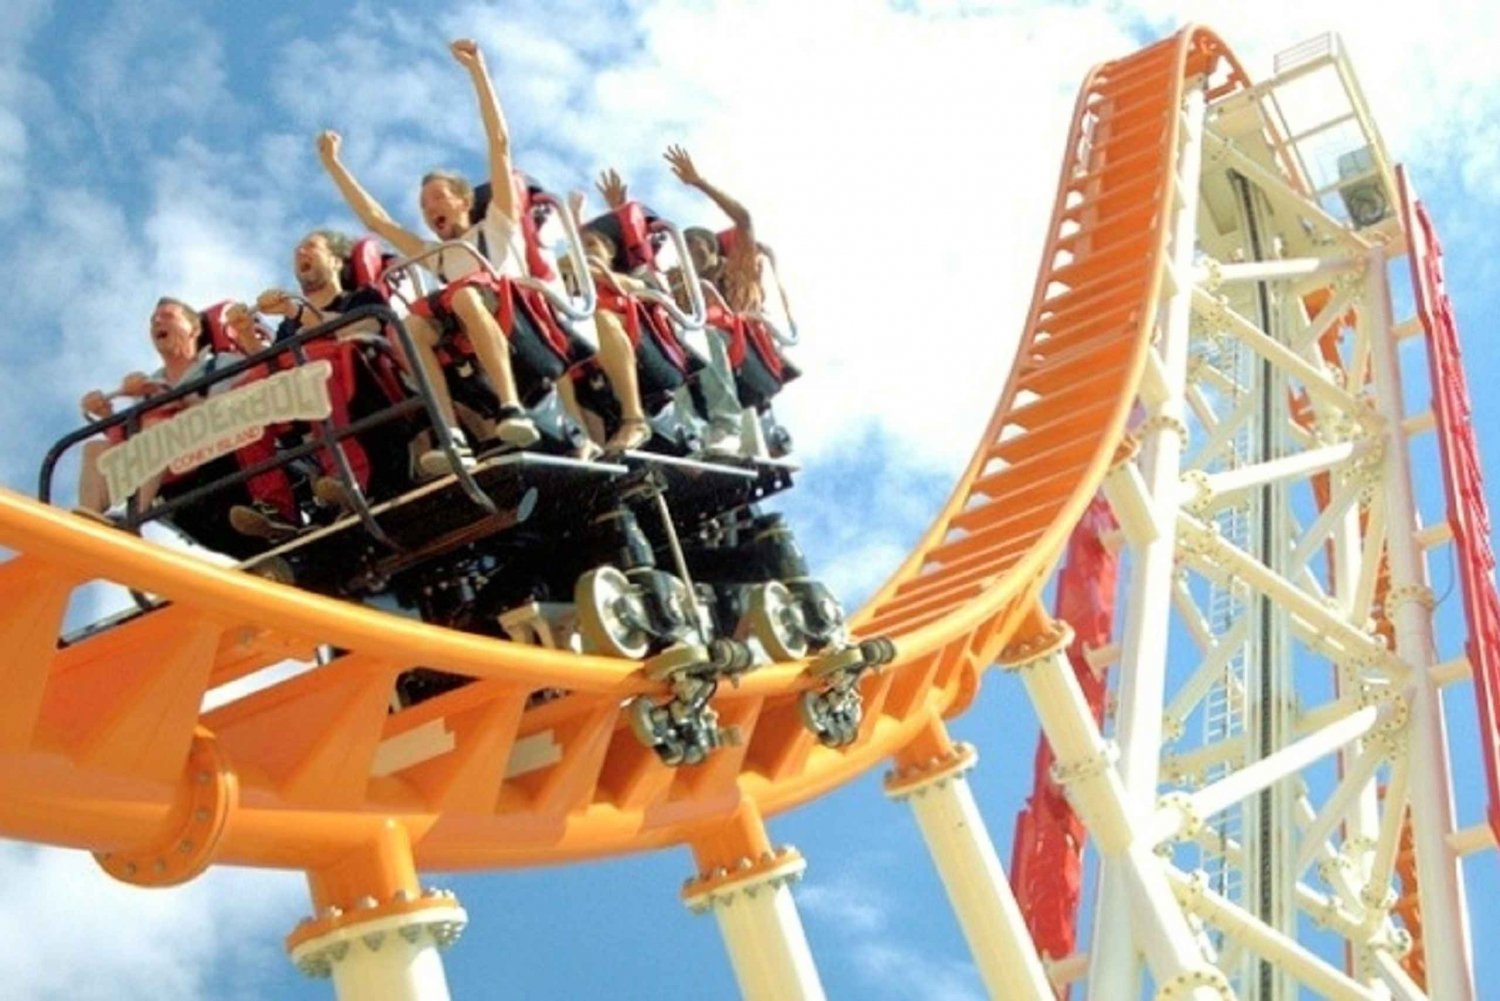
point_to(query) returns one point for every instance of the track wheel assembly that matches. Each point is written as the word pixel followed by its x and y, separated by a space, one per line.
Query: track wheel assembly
pixel 833 711
pixel 611 616
pixel 773 619
pixel 684 729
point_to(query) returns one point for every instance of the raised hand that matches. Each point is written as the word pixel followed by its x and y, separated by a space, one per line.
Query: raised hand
pixel 682 165
pixel 276 302
pixel 612 188
pixel 466 51
pixel 329 142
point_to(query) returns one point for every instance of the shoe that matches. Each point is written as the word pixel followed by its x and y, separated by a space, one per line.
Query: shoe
pixel 513 427
pixel 100 517
pixel 588 451
pixel 632 433
pixel 435 462
pixel 723 444
pixel 276 570
pixel 331 493
pixel 261 520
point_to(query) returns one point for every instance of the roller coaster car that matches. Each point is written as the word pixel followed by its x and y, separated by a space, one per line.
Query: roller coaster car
pixel 650 556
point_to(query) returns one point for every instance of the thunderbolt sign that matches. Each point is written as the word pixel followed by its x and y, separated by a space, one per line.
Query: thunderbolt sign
pixel 216 427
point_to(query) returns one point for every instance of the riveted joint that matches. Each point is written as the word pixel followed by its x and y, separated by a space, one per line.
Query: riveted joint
pixel 1200 494
pixel 1065 773
pixel 1403 594
pixel 1033 650
pixel 1180 807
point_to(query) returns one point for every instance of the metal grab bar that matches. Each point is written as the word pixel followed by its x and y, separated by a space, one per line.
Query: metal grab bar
pixel 562 304
pixel 132 416
pixel 776 333
pixel 699 314
pixel 576 259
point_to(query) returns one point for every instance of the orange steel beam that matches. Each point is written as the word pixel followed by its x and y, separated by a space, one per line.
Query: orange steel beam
pixel 102 745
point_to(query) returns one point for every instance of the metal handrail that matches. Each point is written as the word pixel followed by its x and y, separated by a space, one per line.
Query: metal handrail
pixel 562 304
pixel 699 314
pixel 131 418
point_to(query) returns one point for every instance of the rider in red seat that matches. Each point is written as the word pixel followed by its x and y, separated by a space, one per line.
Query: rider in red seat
pixel 469 301
pixel 184 339
pixel 319 261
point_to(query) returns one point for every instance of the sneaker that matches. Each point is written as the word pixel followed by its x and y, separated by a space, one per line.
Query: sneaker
pixel 724 444
pixel 260 520
pixel 331 493
pixel 435 462
pixel 513 427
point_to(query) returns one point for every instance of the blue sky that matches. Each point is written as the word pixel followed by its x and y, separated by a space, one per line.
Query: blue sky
pixel 165 147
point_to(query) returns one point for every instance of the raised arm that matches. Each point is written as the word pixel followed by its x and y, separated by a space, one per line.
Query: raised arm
pixel 371 215
pixel 502 195
pixel 612 188
pixel 682 166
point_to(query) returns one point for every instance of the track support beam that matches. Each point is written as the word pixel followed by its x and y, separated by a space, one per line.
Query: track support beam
pixel 747 886
pixel 929 776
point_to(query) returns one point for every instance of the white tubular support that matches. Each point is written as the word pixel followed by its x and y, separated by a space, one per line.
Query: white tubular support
pixel 1114 969
pixel 761 928
pixel 1445 925
pixel 1182 811
pixel 1318 385
pixel 1216 273
pixel 1223 488
pixel 980 894
pixel 391 956
pixel 1267 942
pixel 1202 548
pixel 1154 920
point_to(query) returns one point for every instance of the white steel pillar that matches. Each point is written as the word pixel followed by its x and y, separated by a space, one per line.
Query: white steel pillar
pixel 383 953
pixel 965 857
pixel 376 932
pixel 1086 769
pixel 747 886
pixel 1445 925
pixel 1114 969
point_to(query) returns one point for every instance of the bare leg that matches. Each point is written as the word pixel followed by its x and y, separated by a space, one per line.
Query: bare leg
pixel 617 358
pixel 489 343
pixel 93 493
pixel 424 334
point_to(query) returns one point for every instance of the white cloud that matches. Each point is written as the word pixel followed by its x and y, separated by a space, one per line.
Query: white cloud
pixel 862 914
pixel 74 934
pixel 856 906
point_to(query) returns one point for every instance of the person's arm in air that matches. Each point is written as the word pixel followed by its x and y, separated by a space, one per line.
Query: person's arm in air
pixel 687 173
pixel 502 193
pixel 612 188
pixel 371 215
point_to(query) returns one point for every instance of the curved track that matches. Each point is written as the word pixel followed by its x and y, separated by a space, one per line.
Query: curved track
pixel 103 746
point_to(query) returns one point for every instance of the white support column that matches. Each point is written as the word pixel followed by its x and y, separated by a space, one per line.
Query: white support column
pixel 762 931
pixel 1084 767
pixel 1114 968
pixel 965 857
pixel 1445 925
pixel 382 951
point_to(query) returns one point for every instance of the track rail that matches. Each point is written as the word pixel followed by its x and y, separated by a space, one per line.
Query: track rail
pixel 103 746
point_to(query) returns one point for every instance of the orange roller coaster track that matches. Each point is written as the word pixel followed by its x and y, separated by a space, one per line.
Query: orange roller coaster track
pixel 103 745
